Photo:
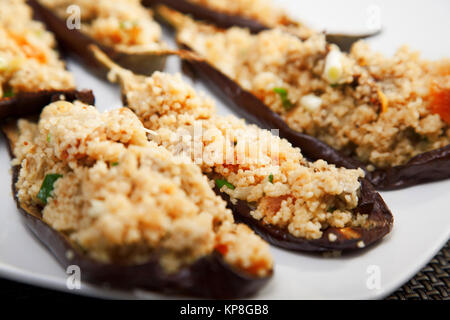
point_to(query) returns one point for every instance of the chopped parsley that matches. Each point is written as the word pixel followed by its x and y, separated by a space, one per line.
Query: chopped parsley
pixel 222 182
pixel 331 209
pixel 287 104
pixel 114 164
pixel 128 24
pixel 49 137
pixel 8 93
pixel 47 186
pixel 271 178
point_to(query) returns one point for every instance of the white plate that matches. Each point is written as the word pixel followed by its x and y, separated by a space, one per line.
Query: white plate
pixel 422 217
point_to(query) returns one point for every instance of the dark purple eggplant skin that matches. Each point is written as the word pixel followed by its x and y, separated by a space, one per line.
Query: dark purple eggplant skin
pixel 76 42
pixel 224 21
pixel 370 203
pixel 219 19
pixel 208 277
pixel 426 167
pixel 26 103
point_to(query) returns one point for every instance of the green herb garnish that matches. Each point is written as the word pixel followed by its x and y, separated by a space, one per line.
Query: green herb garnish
pixel 39 33
pixel 331 209
pixel 222 182
pixel 271 178
pixel 114 164
pixel 128 24
pixel 8 93
pixel 287 104
pixel 47 186
pixel 49 137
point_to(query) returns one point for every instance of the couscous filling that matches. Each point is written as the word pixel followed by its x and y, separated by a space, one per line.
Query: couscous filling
pixel 28 60
pixel 244 161
pixel 120 198
pixel 381 110
pixel 122 24
pixel 263 11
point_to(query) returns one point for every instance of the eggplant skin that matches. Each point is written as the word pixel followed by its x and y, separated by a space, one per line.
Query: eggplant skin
pixel 219 19
pixel 208 277
pixel 224 21
pixel 347 239
pixel 426 167
pixel 77 42
pixel 28 103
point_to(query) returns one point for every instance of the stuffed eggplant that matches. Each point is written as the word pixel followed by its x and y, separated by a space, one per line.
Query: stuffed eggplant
pixel 291 202
pixel 123 29
pixel 254 15
pixel 389 116
pixel 99 195
pixel 31 73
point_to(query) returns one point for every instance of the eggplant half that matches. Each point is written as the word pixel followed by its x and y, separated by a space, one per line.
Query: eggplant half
pixel 426 167
pixel 380 219
pixel 76 42
pixel 209 276
pixel 380 222
pixel 225 20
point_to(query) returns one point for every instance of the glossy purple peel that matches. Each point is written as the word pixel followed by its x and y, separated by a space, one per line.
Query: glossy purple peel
pixel 219 19
pixel 26 103
pixel 225 20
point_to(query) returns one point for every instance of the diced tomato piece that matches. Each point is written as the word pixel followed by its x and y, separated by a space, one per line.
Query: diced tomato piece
pixel 222 249
pixel 28 49
pixel 440 103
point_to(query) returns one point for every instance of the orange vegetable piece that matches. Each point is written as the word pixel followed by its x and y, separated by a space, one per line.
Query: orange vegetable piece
pixel 222 249
pixel 440 102
pixel 383 101
pixel 349 233
pixel 29 50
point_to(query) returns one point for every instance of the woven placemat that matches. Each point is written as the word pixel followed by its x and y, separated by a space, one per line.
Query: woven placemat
pixel 431 283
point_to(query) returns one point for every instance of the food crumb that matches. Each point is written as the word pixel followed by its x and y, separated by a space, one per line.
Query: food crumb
pixel 332 237
pixel 70 254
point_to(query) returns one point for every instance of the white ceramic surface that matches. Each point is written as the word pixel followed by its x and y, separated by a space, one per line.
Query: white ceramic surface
pixel 422 217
